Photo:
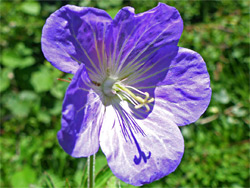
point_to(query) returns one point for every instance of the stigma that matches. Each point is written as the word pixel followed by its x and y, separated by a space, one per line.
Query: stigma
pixel 139 99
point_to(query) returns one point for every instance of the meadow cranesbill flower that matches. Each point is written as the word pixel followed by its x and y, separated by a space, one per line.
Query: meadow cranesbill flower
pixel 132 87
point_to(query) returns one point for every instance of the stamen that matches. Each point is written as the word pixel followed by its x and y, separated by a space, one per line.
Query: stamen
pixel 133 101
pixel 136 100
pixel 135 89
pixel 119 97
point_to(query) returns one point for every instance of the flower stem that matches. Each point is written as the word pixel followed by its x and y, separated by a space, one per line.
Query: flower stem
pixel 91 171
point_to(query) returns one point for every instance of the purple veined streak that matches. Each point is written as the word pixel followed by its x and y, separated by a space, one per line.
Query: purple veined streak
pixel 133 86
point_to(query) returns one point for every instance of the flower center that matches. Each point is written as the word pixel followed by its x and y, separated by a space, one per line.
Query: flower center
pixel 112 87
pixel 107 87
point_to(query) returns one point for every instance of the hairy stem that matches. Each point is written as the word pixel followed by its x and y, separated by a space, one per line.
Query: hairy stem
pixel 91 171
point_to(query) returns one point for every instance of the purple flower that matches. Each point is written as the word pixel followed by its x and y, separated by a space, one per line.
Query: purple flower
pixel 132 87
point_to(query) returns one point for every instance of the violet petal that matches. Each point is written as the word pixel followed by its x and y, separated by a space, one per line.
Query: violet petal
pixel 150 156
pixel 134 36
pixel 69 36
pixel 82 116
pixel 185 91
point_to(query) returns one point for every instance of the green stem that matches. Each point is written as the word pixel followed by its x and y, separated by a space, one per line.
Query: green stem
pixel 91 171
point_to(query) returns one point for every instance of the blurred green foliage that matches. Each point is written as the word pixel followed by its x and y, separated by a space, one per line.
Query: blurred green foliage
pixel 216 146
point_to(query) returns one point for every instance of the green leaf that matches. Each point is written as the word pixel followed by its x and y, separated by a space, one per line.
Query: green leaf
pixel 84 176
pixel 6 75
pixel 24 178
pixel 28 96
pixel 84 3
pixel 113 182
pixel 103 176
pixel 113 12
pixel 51 180
pixel 105 4
pixel 21 104
pixel 44 117
pixel 31 7
pixel 48 180
pixel 59 90
pixel 57 108
pixel 42 80
pixel 11 58
pixel 100 163
pixel 23 50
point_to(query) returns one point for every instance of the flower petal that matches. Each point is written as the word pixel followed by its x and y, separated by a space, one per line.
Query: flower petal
pixel 154 68
pixel 147 156
pixel 71 36
pixel 82 116
pixel 136 36
pixel 146 78
pixel 185 91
